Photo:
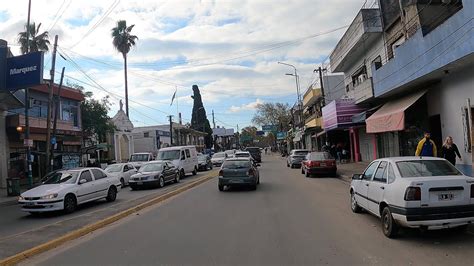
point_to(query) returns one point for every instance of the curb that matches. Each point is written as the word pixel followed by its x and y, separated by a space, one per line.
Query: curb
pixel 15 259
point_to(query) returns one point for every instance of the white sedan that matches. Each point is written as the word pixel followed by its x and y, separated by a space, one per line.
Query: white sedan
pixel 123 171
pixel 66 189
pixel 426 193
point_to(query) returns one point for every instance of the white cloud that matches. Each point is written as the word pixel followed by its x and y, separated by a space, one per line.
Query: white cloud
pixel 245 107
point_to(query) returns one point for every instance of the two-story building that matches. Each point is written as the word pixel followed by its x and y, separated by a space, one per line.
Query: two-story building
pixel 312 104
pixel 360 48
pixel 66 151
pixel 427 83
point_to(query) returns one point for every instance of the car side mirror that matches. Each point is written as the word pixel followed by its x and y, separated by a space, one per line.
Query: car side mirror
pixel 82 181
pixel 357 176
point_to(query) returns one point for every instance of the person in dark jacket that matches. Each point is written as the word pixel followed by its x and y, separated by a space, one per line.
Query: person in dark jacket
pixel 426 147
pixel 450 150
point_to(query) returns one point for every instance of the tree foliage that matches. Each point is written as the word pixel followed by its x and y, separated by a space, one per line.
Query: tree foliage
pixel 199 119
pixel 122 38
pixel 37 42
pixel 273 114
pixel 95 120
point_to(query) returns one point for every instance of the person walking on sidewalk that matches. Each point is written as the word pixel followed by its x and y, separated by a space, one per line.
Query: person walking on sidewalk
pixel 426 147
pixel 450 150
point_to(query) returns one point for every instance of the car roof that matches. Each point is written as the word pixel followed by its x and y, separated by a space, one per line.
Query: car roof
pixel 238 159
pixel 141 153
pixel 244 152
pixel 410 158
pixel 300 150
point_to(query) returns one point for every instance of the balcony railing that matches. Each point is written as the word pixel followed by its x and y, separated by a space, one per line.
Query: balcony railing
pixel 40 122
pixel 313 121
pixel 361 91
pixel 311 96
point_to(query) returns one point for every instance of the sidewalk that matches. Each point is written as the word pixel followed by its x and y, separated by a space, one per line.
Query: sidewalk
pixel 5 200
pixel 346 170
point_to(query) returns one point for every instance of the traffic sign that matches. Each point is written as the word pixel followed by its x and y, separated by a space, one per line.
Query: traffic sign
pixel 53 141
pixel 28 143
pixel 269 128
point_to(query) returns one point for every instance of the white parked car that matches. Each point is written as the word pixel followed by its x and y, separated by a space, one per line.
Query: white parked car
pixel 218 158
pixel 242 154
pixel 123 171
pixel 426 193
pixel 66 189
pixel 140 158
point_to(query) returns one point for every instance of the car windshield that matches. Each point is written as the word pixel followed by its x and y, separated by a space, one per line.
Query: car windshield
pixel 320 156
pixel 419 168
pixel 300 153
pixel 253 150
pixel 152 167
pixel 168 155
pixel 236 164
pixel 64 177
pixel 114 168
pixel 139 158
pixel 219 155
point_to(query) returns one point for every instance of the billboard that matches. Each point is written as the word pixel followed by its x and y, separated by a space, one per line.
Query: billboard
pixel 24 71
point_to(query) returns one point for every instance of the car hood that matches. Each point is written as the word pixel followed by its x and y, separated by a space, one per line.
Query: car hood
pixel 44 190
pixel 115 174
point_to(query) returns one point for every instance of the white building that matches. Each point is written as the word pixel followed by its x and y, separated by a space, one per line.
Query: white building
pixel 122 139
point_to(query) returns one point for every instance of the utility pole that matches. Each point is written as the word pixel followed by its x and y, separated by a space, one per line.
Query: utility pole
pixel 213 120
pixel 27 141
pixel 171 129
pixel 322 85
pixel 50 107
pixel 57 102
pixel 214 137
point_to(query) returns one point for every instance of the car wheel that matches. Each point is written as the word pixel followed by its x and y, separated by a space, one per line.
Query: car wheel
pixel 181 173
pixel 194 171
pixel 111 194
pixel 354 206
pixel 389 226
pixel 306 173
pixel 210 167
pixel 287 164
pixel 302 170
pixel 161 182
pixel 258 181
pixel 221 187
pixel 176 178
pixel 122 181
pixel 70 203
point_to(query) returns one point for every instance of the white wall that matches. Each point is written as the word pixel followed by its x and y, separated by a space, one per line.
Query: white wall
pixel 447 99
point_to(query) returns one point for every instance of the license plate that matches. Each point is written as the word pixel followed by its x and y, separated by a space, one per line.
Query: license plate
pixel 139 183
pixel 30 204
pixel 235 181
pixel 443 197
pixel 323 164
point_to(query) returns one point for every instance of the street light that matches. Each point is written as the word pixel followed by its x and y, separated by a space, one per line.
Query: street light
pixel 297 85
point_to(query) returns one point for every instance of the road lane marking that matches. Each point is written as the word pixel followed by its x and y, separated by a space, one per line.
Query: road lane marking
pixel 15 259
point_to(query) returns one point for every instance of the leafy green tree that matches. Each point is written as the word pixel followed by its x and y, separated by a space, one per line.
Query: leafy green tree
pixel 37 42
pixel 199 119
pixel 123 41
pixel 277 114
pixel 95 120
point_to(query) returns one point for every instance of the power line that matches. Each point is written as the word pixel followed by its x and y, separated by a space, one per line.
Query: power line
pixel 56 17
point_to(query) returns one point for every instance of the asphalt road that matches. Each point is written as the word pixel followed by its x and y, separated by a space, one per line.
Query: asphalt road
pixel 289 220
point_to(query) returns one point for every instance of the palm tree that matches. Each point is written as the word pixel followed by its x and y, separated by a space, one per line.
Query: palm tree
pixel 123 42
pixel 38 42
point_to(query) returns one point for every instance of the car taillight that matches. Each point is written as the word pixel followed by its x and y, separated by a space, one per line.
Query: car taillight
pixel 313 164
pixel 472 191
pixel 413 193
pixel 221 173
pixel 251 173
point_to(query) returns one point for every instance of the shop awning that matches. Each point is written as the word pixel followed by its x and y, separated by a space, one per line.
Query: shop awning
pixel 391 116
pixel 338 114
pixel 361 117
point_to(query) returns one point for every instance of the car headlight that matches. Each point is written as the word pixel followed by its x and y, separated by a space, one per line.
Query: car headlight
pixel 50 196
pixel 20 198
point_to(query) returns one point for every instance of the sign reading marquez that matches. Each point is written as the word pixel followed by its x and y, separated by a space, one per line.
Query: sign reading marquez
pixel 24 71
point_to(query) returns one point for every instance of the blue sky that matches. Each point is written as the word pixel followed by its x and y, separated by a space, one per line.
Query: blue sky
pixel 230 49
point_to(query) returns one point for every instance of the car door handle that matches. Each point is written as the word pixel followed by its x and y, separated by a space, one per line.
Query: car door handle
pixel 382 187
pixel 366 185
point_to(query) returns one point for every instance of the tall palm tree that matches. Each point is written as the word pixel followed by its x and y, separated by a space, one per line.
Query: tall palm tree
pixel 38 42
pixel 123 41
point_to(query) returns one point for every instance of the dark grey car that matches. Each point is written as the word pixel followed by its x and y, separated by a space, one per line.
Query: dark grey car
pixel 154 174
pixel 238 172
pixel 296 157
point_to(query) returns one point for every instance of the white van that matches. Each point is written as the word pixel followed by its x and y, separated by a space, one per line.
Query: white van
pixel 183 157
pixel 139 158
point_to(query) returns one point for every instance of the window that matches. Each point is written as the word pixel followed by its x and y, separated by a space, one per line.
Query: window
pixel 370 171
pixel 125 168
pixel 130 167
pixel 98 174
pixel 390 175
pixel 419 168
pixel 146 134
pixel 188 154
pixel 380 173
pixel 86 175
pixel 69 112
pixel 182 155
pixel 377 62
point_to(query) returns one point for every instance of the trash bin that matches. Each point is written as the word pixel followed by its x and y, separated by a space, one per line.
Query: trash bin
pixel 13 187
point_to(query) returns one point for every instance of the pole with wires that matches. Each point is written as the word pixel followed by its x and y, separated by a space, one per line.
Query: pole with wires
pixel 49 159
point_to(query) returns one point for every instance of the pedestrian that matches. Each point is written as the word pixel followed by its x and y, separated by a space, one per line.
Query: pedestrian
pixel 426 146
pixel 450 150
pixel 265 150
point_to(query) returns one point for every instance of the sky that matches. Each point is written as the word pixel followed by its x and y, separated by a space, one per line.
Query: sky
pixel 230 49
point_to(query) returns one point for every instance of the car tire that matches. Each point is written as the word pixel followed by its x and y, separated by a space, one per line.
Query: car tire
pixel 70 203
pixel 176 177
pixel 111 194
pixel 389 226
pixel 302 170
pixel 287 164
pixel 220 187
pixel 354 206
pixel 210 167
pixel 258 181
pixel 161 182
pixel 122 181
pixel 182 173
pixel 194 171
pixel 306 173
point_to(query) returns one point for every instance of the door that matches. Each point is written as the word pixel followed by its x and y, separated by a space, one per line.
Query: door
pixel 376 188
pixel 189 162
pixel 167 172
pixel 86 190
pixel 131 171
pixel 182 162
pixel 101 183
pixel 362 186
